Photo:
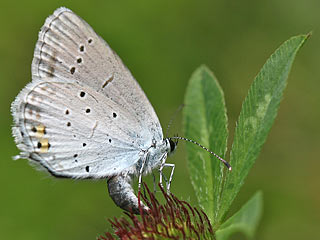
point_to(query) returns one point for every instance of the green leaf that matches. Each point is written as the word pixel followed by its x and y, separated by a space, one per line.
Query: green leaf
pixel 205 121
pixel 257 116
pixel 246 220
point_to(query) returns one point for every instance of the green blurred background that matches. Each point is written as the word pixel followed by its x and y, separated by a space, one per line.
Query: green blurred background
pixel 162 43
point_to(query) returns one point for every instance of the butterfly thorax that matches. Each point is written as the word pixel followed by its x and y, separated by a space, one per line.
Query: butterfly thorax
pixel 155 155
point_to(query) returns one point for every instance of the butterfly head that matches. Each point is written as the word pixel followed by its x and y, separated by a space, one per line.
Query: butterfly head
pixel 172 145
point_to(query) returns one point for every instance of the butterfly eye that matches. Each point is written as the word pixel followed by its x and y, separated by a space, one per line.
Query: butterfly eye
pixel 172 145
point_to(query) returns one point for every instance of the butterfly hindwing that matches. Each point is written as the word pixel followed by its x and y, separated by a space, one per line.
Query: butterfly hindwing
pixel 57 124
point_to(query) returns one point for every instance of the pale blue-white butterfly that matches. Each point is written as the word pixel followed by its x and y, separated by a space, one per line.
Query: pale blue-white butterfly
pixel 85 116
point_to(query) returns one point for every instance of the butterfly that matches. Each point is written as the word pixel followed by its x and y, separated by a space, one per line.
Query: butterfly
pixel 84 115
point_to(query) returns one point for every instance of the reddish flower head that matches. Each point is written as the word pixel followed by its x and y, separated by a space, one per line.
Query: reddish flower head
pixel 176 219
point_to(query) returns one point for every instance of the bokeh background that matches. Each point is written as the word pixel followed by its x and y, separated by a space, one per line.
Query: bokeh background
pixel 162 43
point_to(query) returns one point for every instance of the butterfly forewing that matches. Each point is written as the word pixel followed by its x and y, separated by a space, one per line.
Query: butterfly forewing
pixel 68 48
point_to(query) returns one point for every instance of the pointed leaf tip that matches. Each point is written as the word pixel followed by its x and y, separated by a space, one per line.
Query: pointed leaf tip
pixel 205 121
pixel 257 115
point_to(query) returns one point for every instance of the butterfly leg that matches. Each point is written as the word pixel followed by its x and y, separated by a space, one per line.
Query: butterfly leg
pixel 163 162
pixel 171 175
pixel 141 170
pixel 154 183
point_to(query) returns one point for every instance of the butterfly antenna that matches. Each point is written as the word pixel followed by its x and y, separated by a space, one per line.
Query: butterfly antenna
pixel 173 117
pixel 189 140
